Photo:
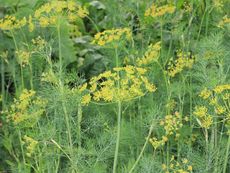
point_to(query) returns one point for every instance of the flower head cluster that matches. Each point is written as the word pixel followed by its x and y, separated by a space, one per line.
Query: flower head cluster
pixel 204 119
pixel 39 43
pixel 31 145
pixel 175 166
pixel 30 24
pixel 155 11
pixel 23 57
pixel 172 124
pixel 187 7
pixel 220 93
pixel 150 55
pixel 108 36
pixel 47 14
pixel 205 93
pixel 224 21
pixel 120 84
pixel 216 98
pixel 10 23
pixel 27 109
pixel 184 60
pixel 85 95
pixel 156 143
pixel 220 88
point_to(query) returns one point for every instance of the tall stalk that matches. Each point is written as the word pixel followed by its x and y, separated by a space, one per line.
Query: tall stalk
pixel 3 83
pixel 143 149
pixel 79 116
pixel 226 160
pixel 21 68
pixel 118 136
pixel 119 108
pixel 67 119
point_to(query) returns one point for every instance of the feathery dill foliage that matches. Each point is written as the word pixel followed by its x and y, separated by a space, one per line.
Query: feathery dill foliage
pixel 107 86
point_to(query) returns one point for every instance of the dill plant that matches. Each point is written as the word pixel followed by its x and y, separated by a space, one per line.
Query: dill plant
pixel 67 67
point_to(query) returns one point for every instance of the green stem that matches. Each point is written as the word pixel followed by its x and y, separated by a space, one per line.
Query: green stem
pixel 3 83
pixel 226 161
pixel 67 121
pixel 31 77
pixel 79 124
pixel 67 124
pixel 16 47
pixel 166 83
pixel 22 150
pixel 94 24
pixel 118 118
pixel 118 136
pixel 142 150
pixel 59 47
pixel 201 23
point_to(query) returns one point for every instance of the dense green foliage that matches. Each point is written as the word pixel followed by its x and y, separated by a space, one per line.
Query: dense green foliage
pixel 115 86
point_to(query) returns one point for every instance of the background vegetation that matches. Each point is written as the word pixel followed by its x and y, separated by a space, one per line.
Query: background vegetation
pixel 115 86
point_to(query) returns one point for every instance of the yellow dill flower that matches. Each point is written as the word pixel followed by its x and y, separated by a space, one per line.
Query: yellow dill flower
pixel 226 96
pixel 171 124
pixel 224 21
pixel 48 13
pixel 53 20
pixel 82 12
pixel 207 122
pixel 23 57
pixel 121 84
pixel 31 145
pixel 72 17
pixel 21 112
pixel 155 11
pixel 10 23
pixel 178 166
pixel 213 101
pixel 187 7
pixel 108 36
pixel 39 43
pixel 26 94
pixel 44 21
pixel 59 6
pixel 200 111
pixel 85 99
pixel 164 166
pixel 156 143
pixel 220 88
pixel 164 138
pixel 205 93
pixel 71 5
pixel 83 87
pixel 184 161
pixel 151 54
pixel 30 24
pixel 189 168
pixel 183 61
pixel 219 109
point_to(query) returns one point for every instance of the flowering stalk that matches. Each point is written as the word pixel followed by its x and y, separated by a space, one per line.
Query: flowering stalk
pixel 118 120
pixel 62 91
pixel 118 136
